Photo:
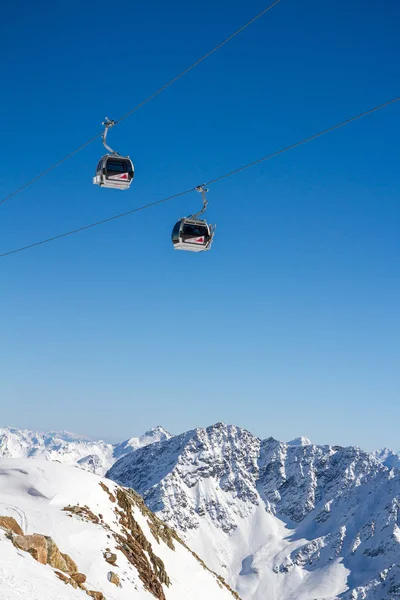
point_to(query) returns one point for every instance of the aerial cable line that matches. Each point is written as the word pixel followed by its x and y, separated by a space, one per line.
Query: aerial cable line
pixel 305 140
pixel 210 182
pixel 200 60
pixel 130 112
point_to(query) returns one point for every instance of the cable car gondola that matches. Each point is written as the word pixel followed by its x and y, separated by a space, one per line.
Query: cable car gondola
pixel 191 233
pixel 113 170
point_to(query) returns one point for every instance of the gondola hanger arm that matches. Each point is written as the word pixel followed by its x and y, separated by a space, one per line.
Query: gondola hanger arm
pixel 108 123
pixel 203 190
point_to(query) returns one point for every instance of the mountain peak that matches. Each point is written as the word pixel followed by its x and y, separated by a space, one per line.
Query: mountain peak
pixel 154 435
pixel 388 457
pixel 262 512
pixel 300 441
pixel 158 430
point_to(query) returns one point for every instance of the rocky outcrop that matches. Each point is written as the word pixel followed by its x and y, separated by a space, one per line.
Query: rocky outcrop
pixel 225 454
pixel 137 548
pixel 118 544
pixel 10 525
pixel 107 491
pixel 44 549
pixel 35 544
pixel 57 559
pixel 110 557
pixel 84 512
pixel 342 501
pixel 127 499
pixel 79 578
pixel 114 578
pixel 67 580
pixel 63 577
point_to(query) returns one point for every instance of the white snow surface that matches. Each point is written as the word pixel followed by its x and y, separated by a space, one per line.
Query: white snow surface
pixel 68 448
pixel 35 493
pixel 280 521
pixel 302 521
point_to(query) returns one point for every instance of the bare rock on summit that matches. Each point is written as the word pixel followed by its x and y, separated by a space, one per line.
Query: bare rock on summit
pixel 10 525
pixel 35 544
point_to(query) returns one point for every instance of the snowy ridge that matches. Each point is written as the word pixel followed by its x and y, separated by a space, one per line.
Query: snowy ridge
pixel 68 448
pixel 388 457
pixel 300 521
pixel 121 551
pixel 157 434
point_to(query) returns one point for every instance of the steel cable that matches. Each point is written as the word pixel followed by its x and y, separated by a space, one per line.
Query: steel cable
pixel 210 182
pixel 145 101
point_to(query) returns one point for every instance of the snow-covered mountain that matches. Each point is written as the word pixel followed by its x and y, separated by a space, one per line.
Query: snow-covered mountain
pixel 388 457
pixel 66 534
pixel 68 448
pixel 157 434
pixel 283 521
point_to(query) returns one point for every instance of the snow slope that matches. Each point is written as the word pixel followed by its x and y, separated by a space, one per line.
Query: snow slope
pixel 36 493
pixel 283 521
pixel 68 448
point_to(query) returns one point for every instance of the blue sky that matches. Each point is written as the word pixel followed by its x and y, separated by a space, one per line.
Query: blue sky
pixel 290 325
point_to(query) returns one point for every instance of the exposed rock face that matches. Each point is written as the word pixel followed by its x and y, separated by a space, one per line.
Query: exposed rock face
pixel 84 512
pixel 107 491
pixel 110 557
pixel 338 505
pixel 10 524
pixel 138 549
pixel 166 473
pixel 45 550
pixel 63 577
pixel 67 580
pixel 35 544
pixel 70 564
pixel 102 523
pixel 95 595
pixel 113 578
pixel 80 578
pixel 58 560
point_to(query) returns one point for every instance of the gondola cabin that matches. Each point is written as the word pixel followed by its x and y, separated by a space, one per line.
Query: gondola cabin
pixel 114 171
pixel 194 235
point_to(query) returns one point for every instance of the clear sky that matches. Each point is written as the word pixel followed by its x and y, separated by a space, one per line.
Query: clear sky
pixel 290 325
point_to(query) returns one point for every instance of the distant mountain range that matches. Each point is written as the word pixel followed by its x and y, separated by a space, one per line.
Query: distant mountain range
pixel 278 520
pixel 69 448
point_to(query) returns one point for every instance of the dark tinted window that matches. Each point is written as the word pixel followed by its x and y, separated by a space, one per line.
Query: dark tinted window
pixel 191 230
pixel 118 166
